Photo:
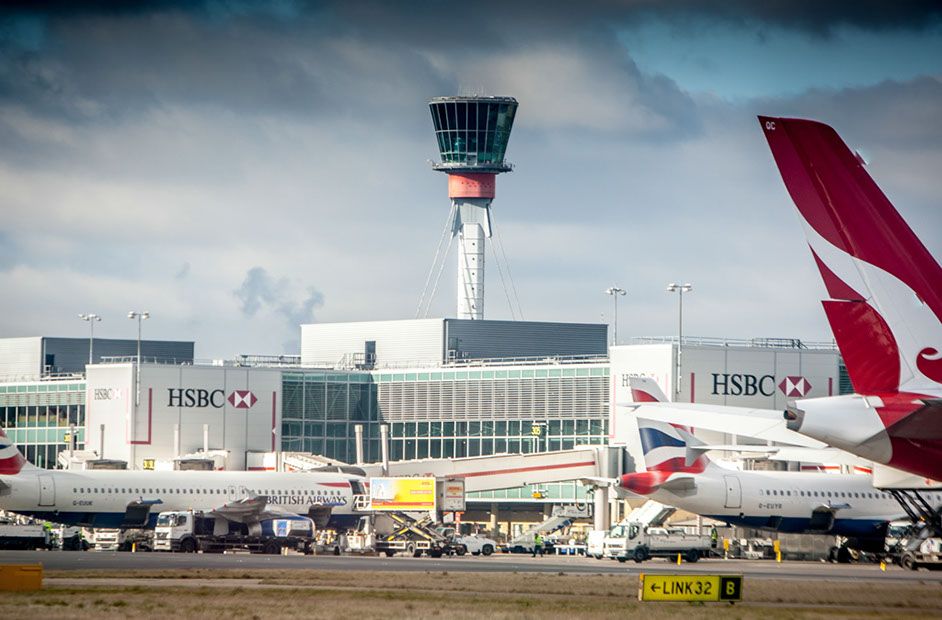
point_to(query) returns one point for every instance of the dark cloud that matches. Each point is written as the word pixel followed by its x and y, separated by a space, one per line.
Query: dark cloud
pixel 260 290
pixel 888 114
pixel 813 16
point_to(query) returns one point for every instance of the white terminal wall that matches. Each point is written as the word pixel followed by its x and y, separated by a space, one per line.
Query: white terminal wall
pixel 397 342
pixel 135 431
pixel 433 341
pixel 707 368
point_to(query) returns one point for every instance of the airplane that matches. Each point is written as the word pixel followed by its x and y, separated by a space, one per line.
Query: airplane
pixel 885 305
pixel 649 401
pixel 126 499
pixel 679 473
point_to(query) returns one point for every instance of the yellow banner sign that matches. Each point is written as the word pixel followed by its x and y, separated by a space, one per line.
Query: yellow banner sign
pixel 406 494
pixel 690 588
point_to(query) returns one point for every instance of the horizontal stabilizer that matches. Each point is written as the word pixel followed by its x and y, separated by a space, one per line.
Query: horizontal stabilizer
pixel 680 485
pixel 764 424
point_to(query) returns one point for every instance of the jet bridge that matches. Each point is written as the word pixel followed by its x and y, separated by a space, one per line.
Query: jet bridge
pixel 505 471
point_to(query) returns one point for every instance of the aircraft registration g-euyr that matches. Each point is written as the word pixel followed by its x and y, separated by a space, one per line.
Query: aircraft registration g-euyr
pixel 678 473
pixel 884 306
pixel 125 498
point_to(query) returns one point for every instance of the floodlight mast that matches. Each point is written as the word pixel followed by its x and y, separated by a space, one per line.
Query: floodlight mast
pixel 91 319
pixel 680 289
pixel 472 134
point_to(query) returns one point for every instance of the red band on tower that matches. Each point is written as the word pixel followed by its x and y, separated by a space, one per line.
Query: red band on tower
pixel 471 184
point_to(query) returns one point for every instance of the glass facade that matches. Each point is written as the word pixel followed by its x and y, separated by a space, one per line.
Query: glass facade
pixel 473 131
pixel 37 417
pixel 450 413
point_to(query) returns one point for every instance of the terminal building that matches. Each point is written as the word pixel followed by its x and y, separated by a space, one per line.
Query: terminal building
pixel 445 388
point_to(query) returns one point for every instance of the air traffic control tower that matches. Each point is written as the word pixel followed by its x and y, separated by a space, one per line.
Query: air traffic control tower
pixel 472 135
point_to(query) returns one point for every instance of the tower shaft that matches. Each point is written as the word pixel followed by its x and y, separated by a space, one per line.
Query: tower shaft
pixel 472 225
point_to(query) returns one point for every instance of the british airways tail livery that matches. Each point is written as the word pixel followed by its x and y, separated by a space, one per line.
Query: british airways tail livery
pixel 11 461
pixel 680 474
pixel 121 498
pixel 884 306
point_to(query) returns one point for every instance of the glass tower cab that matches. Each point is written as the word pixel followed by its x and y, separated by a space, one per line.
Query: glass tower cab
pixel 472 134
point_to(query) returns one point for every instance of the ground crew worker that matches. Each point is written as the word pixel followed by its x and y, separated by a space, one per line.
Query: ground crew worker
pixel 714 537
pixel 537 544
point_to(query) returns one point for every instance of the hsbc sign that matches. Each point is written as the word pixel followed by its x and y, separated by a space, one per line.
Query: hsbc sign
pixel 242 399
pixel 200 398
pixel 742 384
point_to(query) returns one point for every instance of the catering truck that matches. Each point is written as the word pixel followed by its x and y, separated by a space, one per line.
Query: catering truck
pixel 644 543
pixel 191 531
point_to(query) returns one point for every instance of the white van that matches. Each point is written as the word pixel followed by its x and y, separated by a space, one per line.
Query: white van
pixel 596 544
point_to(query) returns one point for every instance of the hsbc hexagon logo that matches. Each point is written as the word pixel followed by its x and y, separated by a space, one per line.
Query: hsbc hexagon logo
pixel 794 387
pixel 242 399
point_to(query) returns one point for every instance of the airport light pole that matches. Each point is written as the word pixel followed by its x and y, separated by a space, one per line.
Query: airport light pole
pixel 615 291
pixel 141 316
pixel 91 319
pixel 680 289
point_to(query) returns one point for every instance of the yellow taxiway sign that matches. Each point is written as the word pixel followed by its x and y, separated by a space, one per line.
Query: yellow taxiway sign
pixel 690 588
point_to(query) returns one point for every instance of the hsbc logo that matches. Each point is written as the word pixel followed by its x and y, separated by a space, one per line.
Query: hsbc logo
pixel 794 387
pixel 242 399
pixel 199 398
pixel 755 385
pixel 106 394
pixel 742 385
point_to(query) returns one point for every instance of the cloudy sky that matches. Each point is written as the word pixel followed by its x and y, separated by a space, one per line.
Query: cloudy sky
pixel 238 169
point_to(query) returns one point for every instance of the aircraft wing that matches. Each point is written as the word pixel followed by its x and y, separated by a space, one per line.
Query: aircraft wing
pixel 791 453
pixel 765 424
pixel 248 509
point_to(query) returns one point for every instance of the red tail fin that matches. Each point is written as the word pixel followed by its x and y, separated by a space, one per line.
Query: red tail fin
pixel 11 461
pixel 887 317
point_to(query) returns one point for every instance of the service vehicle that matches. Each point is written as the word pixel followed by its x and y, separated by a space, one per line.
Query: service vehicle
pixel 476 544
pixel 595 544
pixel 922 553
pixel 399 532
pixel 191 531
pixel 114 539
pixel 645 543
pixel 24 536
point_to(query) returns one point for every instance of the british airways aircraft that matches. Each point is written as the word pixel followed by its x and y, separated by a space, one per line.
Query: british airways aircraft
pixel 123 499
pixel 885 305
pixel 680 474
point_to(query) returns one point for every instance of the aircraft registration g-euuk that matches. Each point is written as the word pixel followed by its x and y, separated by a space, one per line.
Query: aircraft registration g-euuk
pixel 884 306
pixel 123 498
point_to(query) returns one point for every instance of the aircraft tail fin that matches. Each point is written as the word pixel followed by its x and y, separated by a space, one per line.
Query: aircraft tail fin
pixel 670 456
pixel 885 287
pixel 646 390
pixel 670 448
pixel 12 461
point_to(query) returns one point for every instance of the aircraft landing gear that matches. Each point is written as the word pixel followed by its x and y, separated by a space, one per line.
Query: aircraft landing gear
pixel 841 554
